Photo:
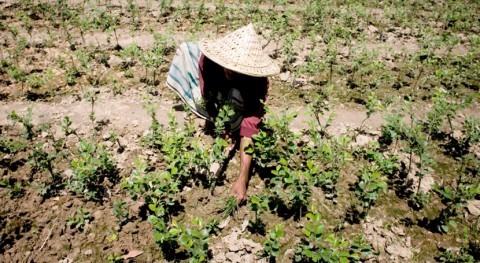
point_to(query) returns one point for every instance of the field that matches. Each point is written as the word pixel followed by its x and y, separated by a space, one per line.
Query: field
pixel 369 151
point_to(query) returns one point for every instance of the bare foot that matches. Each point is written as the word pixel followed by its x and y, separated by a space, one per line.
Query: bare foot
pixel 239 190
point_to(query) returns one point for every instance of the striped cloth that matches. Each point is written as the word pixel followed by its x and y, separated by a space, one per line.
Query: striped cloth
pixel 183 78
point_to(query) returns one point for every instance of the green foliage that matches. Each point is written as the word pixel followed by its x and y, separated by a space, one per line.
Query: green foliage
pixel 462 256
pixel 454 200
pixel 184 154
pixel 444 109
pixel 42 159
pixel 194 240
pixel 318 246
pixel 120 211
pixel 325 158
pixel 259 204
pixel 471 132
pixel 371 183
pixel 292 187
pixel 132 51
pixel 157 188
pixel 17 73
pixel 79 219
pixel 91 165
pixel 224 114
pixel 388 165
pixel 39 80
pixel 26 121
pixel 318 107
pixel 66 126
pixel 373 105
pixel 230 206
pixel 12 145
pixel 275 141
pixel 466 254
pixel 15 189
pixel 115 258
pixel 271 247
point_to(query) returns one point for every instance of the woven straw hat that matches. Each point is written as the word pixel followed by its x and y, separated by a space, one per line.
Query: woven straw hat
pixel 240 51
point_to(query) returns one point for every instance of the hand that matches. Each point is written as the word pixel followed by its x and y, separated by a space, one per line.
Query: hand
pixel 239 190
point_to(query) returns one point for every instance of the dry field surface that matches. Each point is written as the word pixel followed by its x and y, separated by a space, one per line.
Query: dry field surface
pixel 369 151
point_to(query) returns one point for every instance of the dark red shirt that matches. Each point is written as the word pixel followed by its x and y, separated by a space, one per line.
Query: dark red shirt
pixel 253 91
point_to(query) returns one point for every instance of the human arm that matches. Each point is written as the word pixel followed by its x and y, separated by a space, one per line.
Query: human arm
pixel 239 188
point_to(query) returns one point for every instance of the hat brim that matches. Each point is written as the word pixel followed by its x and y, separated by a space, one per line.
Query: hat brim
pixel 219 54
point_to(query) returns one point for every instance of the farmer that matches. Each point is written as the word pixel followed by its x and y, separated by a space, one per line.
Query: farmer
pixel 232 69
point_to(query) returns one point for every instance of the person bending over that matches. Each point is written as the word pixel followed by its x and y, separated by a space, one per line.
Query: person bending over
pixel 232 69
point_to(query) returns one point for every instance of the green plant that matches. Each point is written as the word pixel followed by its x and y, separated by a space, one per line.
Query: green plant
pixel 462 256
pixel 324 159
pixel 318 246
pixel 292 187
pixel 120 211
pixel 66 125
pixel 26 121
pixel 318 107
pixel 106 20
pixel 471 132
pixel 14 188
pixel 36 80
pixel 258 204
pixel 275 141
pixel 225 112
pixel 230 207
pixel 72 74
pixel 467 252
pixel 371 183
pixel 42 160
pixel 79 219
pixel 194 240
pixel 92 97
pixel 91 165
pixel 114 258
pixel 271 247
pixel 454 200
pixel 158 189
pixel 444 109
pixel 165 6
pixel 373 105
pixel 17 74
pixel 12 145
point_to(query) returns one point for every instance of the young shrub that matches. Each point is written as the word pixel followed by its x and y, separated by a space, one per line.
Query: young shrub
pixel 318 246
pixel 371 183
pixel 291 187
pixel 194 240
pixel 271 247
pixel 91 165
pixel 258 204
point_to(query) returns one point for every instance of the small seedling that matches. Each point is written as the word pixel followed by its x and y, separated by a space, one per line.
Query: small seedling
pixel 230 207
pixel 120 211
pixel 80 219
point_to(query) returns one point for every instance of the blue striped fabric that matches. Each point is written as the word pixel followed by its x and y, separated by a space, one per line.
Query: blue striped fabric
pixel 183 77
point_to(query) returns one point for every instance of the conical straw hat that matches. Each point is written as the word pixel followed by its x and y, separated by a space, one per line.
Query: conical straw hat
pixel 240 51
